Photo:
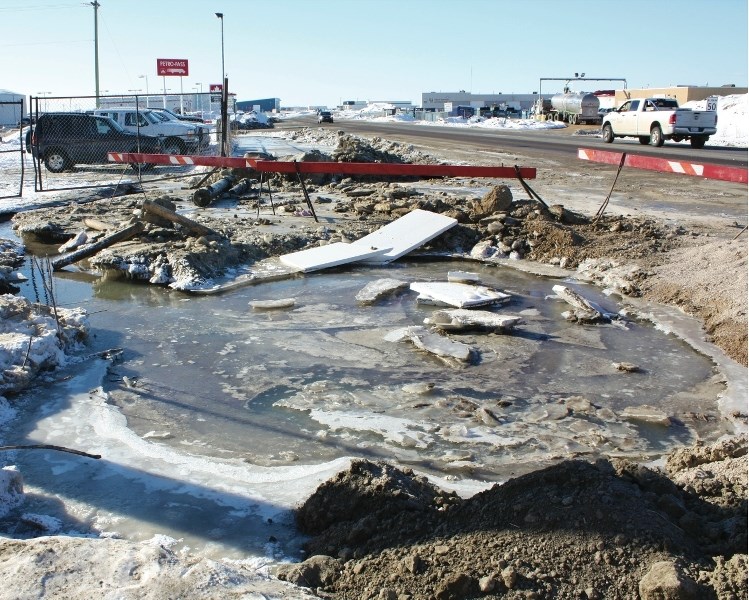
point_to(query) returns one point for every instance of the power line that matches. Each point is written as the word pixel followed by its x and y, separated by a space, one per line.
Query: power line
pixel 27 8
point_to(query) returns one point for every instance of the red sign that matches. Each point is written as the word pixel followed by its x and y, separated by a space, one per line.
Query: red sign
pixel 216 88
pixel 172 67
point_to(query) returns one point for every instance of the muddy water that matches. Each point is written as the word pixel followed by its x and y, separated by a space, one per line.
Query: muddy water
pixel 209 376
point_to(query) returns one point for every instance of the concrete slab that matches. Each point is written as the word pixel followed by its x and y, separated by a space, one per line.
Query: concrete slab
pixel 406 234
pixel 331 255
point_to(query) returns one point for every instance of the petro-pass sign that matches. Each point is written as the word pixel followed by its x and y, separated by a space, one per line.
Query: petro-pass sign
pixel 172 67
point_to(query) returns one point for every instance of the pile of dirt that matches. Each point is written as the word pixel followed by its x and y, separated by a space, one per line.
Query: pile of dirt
pixel 613 529
pixel 708 280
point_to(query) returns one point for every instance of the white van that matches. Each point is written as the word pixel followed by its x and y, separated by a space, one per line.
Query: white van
pixel 179 137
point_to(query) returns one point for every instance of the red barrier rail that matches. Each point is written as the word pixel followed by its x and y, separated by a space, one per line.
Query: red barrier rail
pixel 651 163
pixel 342 168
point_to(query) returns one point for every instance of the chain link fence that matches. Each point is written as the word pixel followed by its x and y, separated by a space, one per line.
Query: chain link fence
pixel 69 138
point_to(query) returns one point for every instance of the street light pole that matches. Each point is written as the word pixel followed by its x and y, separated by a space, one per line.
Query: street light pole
pixel 223 68
pixel 224 95
pixel 200 98
pixel 146 78
pixel 96 6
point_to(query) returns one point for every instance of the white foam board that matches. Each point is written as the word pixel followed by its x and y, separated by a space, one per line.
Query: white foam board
pixel 406 234
pixel 331 255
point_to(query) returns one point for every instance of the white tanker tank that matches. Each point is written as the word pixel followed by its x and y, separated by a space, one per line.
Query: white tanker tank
pixel 576 107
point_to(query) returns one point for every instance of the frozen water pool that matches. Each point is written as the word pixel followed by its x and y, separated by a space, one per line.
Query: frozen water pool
pixel 219 417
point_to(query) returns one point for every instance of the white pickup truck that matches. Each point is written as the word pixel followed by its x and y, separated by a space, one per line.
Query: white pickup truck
pixel 179 137
pixel 655 120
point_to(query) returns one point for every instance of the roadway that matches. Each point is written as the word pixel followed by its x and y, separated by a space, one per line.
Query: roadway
pixel 551 143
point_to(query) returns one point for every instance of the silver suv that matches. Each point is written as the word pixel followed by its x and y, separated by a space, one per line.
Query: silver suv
pixel 179 137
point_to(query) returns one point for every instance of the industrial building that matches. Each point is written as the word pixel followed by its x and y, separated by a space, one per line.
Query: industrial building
pixel 682 93
pixel 261 105
pixel 449 101
pixel 435 101
pixel 12 107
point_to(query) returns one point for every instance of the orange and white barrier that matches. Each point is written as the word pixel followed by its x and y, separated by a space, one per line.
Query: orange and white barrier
pixel 652 163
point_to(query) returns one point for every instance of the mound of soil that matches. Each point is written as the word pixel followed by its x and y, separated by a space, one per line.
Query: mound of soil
pixel 613 529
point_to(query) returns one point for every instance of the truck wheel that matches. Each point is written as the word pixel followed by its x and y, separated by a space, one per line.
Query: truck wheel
pixel 174 146
pixel 656 136
pixel 56 160
pixel 607 134
pixel 139 167
pixel 644 140
pixel 697 141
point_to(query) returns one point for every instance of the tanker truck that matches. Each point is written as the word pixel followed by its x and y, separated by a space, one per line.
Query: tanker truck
pixel 570 107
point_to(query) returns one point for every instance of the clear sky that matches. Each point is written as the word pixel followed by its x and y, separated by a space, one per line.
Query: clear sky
pixel 321 52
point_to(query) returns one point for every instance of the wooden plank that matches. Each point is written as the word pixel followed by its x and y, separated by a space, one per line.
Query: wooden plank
pixel 91 249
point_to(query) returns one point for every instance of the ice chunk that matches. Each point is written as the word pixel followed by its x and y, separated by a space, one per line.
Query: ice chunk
pixel 463 277
pixel 375 290
pixel 272 304
pixel 431 342
pixel 459 295
pixel 11 489
pixel 646 413
pixel 461 318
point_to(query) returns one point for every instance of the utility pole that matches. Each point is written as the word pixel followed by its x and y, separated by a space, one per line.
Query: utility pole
pixel 224 92
pixel 96 6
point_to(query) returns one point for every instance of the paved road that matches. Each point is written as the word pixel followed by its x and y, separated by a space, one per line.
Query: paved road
pixel 553 143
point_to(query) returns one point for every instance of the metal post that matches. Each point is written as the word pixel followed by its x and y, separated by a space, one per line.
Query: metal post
pixel 96 6
pixel 224 95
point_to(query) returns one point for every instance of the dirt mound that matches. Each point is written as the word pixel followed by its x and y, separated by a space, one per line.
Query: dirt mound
pixel 708 280
pixel 574 530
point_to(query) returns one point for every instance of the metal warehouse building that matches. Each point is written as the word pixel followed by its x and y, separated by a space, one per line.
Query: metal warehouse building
pixel 263 105
pixel 12 107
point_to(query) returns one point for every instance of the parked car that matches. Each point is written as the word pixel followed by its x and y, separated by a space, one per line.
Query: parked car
pixel 180 137
pixel 63 140
pixel 178 116
pixel 325 117
pixel 167 115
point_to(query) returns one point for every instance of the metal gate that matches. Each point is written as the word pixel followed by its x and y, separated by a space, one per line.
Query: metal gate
pixel 76 158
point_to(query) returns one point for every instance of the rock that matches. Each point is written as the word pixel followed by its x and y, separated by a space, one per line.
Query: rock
pixel 488 584
pixel 316 571
pixel 664 581
pixel 457 587
pixel 484 249
pixel 413 563
pixel 499 198
pixel 509 577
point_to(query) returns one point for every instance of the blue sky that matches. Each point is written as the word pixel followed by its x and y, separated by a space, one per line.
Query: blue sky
pixel 320 52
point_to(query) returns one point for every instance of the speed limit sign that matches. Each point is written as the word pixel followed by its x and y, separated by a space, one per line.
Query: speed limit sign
pixel 711 103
